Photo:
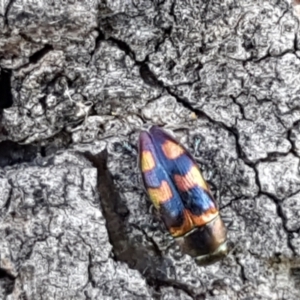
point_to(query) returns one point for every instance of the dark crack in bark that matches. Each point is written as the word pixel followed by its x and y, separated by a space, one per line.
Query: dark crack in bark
pixel 34 58
pixel 7 11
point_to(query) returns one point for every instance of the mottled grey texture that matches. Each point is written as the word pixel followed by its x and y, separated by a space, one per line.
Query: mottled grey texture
pixel 53 235
pixel 87 76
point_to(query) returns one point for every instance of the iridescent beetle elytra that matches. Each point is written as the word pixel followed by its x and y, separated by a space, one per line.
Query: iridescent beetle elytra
pixel 182 197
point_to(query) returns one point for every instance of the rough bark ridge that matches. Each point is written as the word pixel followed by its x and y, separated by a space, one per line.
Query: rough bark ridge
pixel 79 80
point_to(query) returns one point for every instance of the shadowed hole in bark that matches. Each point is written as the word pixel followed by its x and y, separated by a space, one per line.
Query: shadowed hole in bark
pixel 6 100
pixel 43 151
pixel 7 282
pixel 148 77
pixel 12 153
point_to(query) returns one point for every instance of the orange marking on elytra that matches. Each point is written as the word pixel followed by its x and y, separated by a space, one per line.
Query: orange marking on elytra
pixel 186 226
pixel 205 218
pixel 191 221
pixel 172 150
pixel 161 194
pixel 191 179
pixel 147 161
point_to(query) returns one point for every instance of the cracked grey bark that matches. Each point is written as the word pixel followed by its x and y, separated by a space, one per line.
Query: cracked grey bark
pixel 87 77
pixel 54 242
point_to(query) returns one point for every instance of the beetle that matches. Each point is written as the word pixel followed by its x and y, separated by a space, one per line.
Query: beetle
pixel 182 197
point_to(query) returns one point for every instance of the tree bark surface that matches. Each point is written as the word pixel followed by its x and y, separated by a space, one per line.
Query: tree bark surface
pixel 80 79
